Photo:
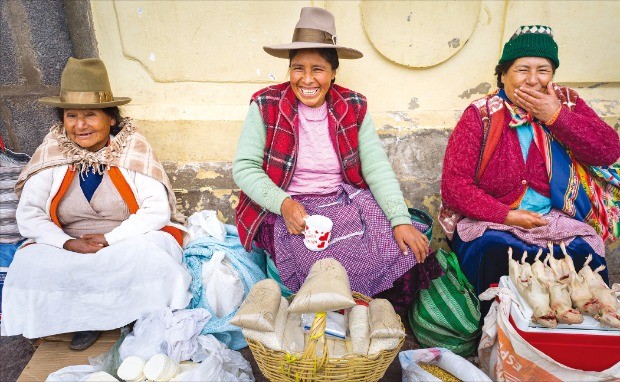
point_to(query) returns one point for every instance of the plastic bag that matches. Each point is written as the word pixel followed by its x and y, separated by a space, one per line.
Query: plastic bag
pixel 441 357
pixel 106 362
pixel 110 360
pixel 146 340
pixel 222 286
pixel 182 331
pixel 199 252
pixel 71 373
pixel 335 324
pixel 164 331
pixel 217 363
pixel 204 224
pixel 100 376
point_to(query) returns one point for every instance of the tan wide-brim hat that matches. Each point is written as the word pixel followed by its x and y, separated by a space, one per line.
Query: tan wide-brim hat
pixel 84 84
pixel 316 29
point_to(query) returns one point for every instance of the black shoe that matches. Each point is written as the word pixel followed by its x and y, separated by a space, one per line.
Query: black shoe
pixel 84 340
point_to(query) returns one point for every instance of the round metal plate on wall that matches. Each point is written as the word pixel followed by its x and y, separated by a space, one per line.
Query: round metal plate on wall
pixel 419 34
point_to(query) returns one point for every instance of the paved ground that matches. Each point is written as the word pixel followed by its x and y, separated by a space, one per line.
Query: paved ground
pixel 16 351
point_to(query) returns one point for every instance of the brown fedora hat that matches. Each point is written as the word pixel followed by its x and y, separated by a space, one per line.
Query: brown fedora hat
pixel 84 84
pixel 316 29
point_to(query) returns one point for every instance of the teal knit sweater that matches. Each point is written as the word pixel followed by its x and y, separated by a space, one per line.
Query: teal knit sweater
pixel 377 171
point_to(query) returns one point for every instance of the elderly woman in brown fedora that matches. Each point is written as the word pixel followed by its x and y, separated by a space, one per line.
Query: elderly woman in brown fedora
pixel 309 147
pixel 100 214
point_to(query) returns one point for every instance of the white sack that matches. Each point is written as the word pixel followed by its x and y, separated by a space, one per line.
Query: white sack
pixel 293 339
pixel 326 289
pixel 260 308
pixel 71 373
pixel 217 363
pixel 272 340
pixel 223 288
pixel 359 329
pixel 441 357
pixel 204 224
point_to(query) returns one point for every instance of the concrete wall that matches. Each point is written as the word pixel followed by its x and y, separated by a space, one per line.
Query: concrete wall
pixel 191 66
pixel 36 39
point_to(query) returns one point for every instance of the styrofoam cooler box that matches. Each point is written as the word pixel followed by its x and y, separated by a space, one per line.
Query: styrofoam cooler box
pixel 587 346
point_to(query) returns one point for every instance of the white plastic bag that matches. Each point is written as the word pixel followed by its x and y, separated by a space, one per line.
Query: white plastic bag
pixel 335 324
pixel 167 332
pixel 182 330
pixel 217 363
pixel 441 357
pixel 223 288
pixel 71 373
pixel 205 223
pixel 86 373
pixel 147 338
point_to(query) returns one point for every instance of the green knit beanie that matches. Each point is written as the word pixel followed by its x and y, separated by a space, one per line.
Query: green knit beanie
pixel 531 41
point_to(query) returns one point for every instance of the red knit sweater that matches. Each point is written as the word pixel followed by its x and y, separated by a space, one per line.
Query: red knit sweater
pixel 507 176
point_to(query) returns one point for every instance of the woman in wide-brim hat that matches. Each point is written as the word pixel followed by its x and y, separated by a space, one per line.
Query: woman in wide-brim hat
pixel 518 178
pixel 99 211
pixel 309 147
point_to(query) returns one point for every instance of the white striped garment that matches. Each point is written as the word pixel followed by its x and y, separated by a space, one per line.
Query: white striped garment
pixel 11 165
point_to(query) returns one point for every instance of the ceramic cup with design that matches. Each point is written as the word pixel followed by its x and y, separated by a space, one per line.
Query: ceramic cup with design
pixel 317 233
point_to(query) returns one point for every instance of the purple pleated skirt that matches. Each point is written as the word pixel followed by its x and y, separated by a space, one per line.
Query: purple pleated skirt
pixel 362 241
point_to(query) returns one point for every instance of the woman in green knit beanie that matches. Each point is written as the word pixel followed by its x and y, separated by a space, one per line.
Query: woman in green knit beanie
pixel 519 169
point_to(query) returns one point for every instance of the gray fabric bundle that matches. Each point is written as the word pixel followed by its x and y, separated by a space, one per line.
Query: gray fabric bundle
pixel 11 165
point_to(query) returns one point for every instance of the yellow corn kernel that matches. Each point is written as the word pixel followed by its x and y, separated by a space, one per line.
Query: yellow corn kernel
pixel 438 372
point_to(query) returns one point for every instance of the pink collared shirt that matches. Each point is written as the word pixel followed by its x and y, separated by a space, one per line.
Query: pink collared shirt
pixel 318 170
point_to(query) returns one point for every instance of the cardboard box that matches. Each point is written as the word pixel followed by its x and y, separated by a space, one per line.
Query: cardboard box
pixel 53 354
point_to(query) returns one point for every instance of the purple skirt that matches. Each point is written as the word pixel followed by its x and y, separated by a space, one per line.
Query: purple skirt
pixel 362 241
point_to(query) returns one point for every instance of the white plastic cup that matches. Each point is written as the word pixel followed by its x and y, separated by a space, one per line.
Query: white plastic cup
pixel 318 232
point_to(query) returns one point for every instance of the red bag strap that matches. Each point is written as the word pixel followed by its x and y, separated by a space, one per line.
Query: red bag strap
pixel 493 125
pixel 124 190
pixel 64 186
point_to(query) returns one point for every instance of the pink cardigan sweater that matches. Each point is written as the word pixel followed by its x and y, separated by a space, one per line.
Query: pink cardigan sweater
pixel 507 176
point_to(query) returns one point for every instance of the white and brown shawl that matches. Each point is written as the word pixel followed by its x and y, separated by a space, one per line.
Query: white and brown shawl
pixel 128 149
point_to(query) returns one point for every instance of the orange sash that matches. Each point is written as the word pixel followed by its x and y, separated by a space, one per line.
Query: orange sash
pixel 124 190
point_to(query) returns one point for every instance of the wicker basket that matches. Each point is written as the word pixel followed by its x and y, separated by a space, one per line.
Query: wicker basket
pixel 280 366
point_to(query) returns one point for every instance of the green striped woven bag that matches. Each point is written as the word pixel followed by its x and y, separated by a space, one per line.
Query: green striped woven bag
pixel 447 314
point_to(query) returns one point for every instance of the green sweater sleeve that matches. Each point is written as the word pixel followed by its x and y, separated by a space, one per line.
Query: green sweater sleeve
pixel 248 170
pixel 379 175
